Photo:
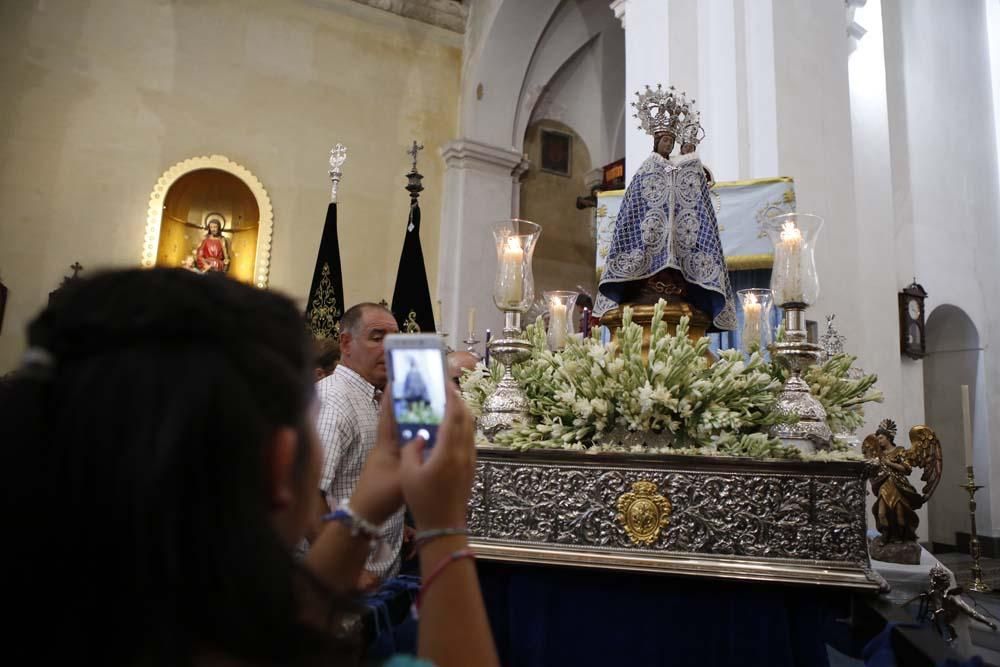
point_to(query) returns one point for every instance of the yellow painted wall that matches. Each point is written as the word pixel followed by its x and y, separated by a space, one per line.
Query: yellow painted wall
pixel 101 96
pixel 565 256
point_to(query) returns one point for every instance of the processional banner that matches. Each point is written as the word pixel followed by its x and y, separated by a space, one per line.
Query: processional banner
pixel 742 208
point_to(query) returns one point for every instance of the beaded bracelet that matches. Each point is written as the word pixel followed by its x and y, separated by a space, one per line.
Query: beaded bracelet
pixel 358 525
pixel 425 536
pixel 448 560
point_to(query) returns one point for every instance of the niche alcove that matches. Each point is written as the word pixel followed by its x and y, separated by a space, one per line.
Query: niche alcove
pixel 200 190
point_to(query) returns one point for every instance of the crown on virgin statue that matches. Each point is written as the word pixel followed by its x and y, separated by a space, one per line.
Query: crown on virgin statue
pixel 668 111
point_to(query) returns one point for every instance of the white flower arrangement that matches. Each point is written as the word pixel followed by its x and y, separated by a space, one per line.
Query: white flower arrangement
pixel 592 397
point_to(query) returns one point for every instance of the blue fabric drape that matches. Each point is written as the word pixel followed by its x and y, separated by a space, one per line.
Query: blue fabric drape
pixel 391 626
pixel 544 616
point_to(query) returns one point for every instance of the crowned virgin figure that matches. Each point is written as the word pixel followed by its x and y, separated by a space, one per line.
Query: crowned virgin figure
pixel 666 239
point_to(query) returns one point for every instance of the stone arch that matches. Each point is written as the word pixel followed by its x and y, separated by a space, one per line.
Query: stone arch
pixel 954 357
pixel 525 44
pixel 514 50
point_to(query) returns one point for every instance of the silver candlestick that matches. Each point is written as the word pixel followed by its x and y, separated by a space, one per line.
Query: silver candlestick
pixel 977 584
pixel 508 403
pixel 806 429
pixel 471 342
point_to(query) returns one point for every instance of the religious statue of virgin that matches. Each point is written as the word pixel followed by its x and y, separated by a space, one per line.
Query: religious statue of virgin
pixel 666 240
pixel 212 254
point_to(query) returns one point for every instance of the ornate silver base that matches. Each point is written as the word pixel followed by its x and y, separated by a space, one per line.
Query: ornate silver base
pixel 810 432
pixel 507 403
pixel 776 521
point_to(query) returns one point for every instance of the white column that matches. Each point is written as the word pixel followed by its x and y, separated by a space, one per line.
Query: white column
pixel 875 221
pixel 762 114
pixel 647 62
pixel 480 186
pixel 693 46
pixel 717 82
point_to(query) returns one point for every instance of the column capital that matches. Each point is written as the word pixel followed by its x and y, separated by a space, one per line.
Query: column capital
pixel 618 7
pixel 472 154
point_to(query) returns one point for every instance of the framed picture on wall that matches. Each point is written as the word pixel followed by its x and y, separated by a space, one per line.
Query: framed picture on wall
pixel 557 150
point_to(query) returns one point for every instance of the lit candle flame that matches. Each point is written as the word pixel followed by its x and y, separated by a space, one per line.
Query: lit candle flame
pixel 513 244
pixel 789 232
pixel 750 299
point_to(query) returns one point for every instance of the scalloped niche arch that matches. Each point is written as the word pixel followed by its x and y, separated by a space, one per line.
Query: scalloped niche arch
pixel 195 190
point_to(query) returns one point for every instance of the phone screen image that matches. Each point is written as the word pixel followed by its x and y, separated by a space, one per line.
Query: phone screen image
pixel 418 392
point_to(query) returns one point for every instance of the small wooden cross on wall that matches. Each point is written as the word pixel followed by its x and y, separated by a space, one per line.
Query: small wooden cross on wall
pixel 76 269
pixel 414 149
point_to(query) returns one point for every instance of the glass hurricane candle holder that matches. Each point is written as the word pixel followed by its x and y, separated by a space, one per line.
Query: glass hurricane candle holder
pixel 562 306
pixel 514 288
pixel 793 277
pixel 756 333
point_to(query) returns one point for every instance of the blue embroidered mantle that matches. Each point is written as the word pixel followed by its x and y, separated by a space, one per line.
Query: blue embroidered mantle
pixel 666 221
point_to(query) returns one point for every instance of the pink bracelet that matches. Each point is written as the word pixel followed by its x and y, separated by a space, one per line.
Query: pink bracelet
pixel 441 567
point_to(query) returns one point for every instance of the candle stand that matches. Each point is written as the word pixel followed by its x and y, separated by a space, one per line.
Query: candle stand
pixel 513 293
pixel 471 342
pixel 796 286
pixel 806 429
pixel 562 304
pixel 507 403
pixel 977 584
pixel 756 331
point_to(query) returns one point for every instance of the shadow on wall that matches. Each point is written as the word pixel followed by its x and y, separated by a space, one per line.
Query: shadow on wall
pixel 565 256
pixel 953 359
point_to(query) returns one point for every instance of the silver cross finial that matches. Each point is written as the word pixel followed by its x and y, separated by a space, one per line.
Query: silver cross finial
pixel 414 149
pixel 337 157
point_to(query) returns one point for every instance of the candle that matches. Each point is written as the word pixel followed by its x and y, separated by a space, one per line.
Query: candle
pixel 967 425
pixel 472 323
pixel 751 321
pixel 486 347
pixel 437 315
pixel 788 265
pixel 585 328
pixel 558 325
pixel 511 278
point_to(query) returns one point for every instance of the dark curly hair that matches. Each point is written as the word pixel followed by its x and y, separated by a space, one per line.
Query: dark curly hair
pixel 138 435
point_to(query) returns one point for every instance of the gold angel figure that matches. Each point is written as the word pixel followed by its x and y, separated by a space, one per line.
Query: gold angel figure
pixel 896 501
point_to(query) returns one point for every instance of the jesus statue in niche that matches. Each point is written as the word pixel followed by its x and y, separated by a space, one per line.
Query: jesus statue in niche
pixel 212 254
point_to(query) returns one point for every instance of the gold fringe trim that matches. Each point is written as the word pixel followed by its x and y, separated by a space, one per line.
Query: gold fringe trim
pixel 749 262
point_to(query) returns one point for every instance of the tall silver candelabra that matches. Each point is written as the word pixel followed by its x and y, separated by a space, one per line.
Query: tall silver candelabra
pixel 806 427
pixel 977 584
pixel 508 403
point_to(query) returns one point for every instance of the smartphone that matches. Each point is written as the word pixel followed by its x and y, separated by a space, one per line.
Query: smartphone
pixel 418 373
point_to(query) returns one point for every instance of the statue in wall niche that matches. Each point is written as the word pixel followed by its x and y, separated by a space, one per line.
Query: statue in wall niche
pixel 212 254
pixel 896 501
pixel 666 242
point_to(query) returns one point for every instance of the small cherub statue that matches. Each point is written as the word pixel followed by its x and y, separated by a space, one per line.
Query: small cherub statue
pixel 941 604
pixel 896 501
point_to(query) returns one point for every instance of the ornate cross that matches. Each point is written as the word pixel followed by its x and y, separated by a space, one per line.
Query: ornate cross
pixel 76 268
pixel 414 149
pixel 337 157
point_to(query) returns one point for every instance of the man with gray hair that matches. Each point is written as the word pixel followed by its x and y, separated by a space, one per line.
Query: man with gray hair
pixel 347 424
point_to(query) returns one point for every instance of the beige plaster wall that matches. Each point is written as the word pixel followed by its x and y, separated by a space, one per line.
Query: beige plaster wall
pixel 101 96
pixel 566 252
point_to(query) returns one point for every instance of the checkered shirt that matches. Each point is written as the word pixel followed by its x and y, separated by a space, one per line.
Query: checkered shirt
pixel 347 426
